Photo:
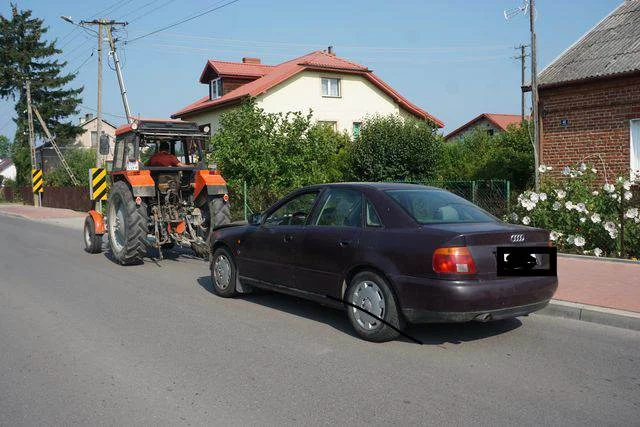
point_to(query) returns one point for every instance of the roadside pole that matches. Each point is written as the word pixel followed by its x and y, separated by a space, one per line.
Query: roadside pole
pixel 37 201
pixel 534 92
pixel 523 67
pixel 99 109
pixel 116 61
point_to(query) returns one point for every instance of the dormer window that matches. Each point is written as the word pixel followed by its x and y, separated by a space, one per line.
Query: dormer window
pixel 215 88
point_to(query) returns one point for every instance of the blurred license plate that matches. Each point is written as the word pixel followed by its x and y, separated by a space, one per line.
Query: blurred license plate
pixel 526 261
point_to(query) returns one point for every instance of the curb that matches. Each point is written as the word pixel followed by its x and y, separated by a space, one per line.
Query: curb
pixel 592 313
pixel 599 259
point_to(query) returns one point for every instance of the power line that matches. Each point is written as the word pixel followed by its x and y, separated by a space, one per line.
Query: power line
pixel 84 62
pixel 105 113
pixel 183 21
pixel 143 15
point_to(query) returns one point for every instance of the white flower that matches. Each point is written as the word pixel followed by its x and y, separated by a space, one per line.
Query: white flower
pixel 627 195
pixel 626 185
pixel 570 239
pixel 556 206
pixel 613 234
pixel 543 168
pixel 549 168
pixel 542 196
pixel 514 217
pixel 554 235
pixel 580 207
pixel 594 170
pixel 595 218
pixel 583 219
pixel 597 252
pixel 526 220
pixel 631 213
pixel 637 219
pixel 609 188
pixel 569 205
pixel 579 241
pixel 595 193
pixel 583 167
pixel 561 194
pixel 566 170
pixel 534 197
pixel 609 226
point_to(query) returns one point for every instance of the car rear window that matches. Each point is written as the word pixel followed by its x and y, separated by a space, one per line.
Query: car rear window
pixel 436 206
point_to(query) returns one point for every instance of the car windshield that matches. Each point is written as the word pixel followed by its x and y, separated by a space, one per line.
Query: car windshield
pixel 435 206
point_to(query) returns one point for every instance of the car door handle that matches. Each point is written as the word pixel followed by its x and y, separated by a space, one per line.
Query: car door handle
pixel 344 243
pixel 287 238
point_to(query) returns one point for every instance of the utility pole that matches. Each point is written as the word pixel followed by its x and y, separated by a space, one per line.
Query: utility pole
pixel 534 92
pixel 523 67
pixel 32 140
pixel 116 61
pixel 99 107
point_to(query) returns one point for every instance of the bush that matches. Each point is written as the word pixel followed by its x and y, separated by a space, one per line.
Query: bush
pixel 506 155
pixel 274 152
pixel 394 148
pixel 79 160
pixel 584 217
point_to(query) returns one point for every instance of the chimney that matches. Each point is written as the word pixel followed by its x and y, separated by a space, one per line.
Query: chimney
pixel 246 60
pixel 330 51
pixel 88 117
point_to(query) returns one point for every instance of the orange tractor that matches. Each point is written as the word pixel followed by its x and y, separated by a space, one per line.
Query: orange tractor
pixel 173 204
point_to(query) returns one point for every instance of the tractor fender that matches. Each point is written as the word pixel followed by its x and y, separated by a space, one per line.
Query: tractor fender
pixel 141 182
pixel 212 181
pixel 98 221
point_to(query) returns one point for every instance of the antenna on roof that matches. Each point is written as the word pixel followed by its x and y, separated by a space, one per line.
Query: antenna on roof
pixel 510 13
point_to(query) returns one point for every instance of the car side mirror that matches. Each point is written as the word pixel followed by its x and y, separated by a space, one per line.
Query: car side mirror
pixel 255 219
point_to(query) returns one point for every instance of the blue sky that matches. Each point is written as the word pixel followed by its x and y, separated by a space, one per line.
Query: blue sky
pixel 452 58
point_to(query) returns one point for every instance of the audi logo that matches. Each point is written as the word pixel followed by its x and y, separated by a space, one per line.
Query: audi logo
pixel 517 238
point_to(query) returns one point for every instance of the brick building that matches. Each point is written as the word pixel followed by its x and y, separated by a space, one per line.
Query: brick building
pixel 590 97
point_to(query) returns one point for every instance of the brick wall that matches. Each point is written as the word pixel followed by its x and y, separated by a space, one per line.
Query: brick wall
pixel 597 115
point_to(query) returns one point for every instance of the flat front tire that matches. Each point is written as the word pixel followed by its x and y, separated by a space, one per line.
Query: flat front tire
pixel 370 293
pixel 223 273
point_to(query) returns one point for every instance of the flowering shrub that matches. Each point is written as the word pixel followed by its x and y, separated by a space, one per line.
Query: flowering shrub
pixel 583 217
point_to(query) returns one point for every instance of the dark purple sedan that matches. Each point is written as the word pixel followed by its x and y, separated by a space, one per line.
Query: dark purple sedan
pixel 390 254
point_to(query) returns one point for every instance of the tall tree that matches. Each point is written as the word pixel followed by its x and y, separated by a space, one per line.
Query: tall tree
pixel 5 147
pixel 26 54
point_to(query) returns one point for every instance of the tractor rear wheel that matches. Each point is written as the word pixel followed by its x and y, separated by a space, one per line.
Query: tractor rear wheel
pixel 215 212
pixel 128 225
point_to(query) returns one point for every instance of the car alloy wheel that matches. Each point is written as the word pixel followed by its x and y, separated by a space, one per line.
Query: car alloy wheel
pixel 368 296
pixel 222 271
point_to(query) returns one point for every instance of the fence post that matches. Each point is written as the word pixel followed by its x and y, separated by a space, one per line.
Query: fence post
pixel 508 196
pixel 244 191
pixel 474 191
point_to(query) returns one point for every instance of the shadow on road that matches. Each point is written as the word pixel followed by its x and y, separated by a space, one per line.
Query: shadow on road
pixel 429 334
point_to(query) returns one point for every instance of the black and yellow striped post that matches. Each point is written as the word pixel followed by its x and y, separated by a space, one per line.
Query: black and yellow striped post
pixel 37 180
pixel 98 184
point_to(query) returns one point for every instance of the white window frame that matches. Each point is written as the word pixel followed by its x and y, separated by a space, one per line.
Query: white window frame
pixel 634 146
pixel 329 85
pixel 333 124
pixel 215 88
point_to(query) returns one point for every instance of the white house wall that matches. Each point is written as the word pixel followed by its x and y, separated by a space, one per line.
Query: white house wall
pixel 303 92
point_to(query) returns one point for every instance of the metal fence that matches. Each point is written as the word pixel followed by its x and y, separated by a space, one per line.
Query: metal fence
pixel 491 195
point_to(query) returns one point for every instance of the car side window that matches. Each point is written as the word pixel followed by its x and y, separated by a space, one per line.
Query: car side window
pixel 341 208
pixel 372 218
pixel 294 212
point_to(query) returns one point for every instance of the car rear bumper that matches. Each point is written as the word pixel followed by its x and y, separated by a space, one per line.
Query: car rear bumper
pixel 433 300
pixel 425 316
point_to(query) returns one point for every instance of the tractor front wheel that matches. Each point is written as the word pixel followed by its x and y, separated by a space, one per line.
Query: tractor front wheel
pixel 128 225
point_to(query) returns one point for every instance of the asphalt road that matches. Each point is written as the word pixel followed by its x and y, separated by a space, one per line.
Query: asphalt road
pixel 85 341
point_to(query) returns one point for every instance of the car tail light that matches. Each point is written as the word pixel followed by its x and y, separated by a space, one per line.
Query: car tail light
pixel 456 260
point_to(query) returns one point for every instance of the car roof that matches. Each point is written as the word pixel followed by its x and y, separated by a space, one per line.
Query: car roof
pixel 382 186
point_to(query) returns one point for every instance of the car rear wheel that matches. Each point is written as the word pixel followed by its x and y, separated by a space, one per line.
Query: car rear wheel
pixel 370 293
pixel 223 273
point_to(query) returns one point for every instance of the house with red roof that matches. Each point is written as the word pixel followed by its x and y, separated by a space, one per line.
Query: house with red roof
pixel 488 122
pixel 340 92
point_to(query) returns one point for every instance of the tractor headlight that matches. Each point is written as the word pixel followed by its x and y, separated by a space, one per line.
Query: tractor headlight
pixel 134 125
pixel 206 129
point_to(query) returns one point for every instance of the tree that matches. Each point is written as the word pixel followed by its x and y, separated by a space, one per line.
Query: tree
pixel 79 160
pixel 275 152
pixel 394 148
pixel 26 55
pixel 5 147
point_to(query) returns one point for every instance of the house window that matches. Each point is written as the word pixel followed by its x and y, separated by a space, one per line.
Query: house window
pixel 356 129
pixel 215 88
pixel 634 152
pixel 332 125
pixel 94 139
pixel 490 132
pixel 330 87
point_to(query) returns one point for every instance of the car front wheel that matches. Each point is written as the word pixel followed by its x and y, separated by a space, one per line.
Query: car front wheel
pixel 223 273
pixel 370 299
